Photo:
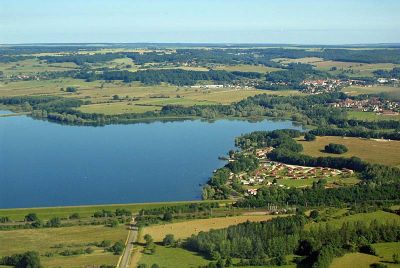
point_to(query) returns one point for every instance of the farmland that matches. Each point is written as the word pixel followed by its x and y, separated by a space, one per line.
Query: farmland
pixel 374 151
pixel 52 241
pixel 186 229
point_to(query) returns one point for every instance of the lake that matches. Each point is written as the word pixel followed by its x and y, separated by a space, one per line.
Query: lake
pixel 47 164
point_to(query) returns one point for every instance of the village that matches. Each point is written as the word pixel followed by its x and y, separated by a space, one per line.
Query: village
pixel 272 173
pixel 373 104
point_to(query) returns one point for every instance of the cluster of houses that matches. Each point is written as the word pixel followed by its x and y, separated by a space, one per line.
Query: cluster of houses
pixel 272 171
pixel 372 104
pixel 382 80
pixel 320 86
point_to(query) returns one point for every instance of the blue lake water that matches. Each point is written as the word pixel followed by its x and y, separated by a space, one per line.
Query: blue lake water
pixel 47 164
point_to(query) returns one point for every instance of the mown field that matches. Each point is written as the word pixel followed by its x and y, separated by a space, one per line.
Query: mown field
pixel 358 90
pixel 187 228
pixel 371 116
pixel 18 214
pixel 374 151
pixel 50 241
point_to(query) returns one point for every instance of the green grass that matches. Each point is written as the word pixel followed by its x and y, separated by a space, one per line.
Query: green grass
pixel 386 250
pixel 357 90
pixel 374 151
pixel 354 260
pixel 308 182
pixel 246 68
pixel 371 116
pixel 76 237
pixel 18 214
pixel 173 257
pixel 380 216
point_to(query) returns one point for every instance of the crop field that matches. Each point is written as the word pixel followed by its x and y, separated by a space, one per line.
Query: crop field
pixel 55 240
pixel 18 214
pixel 186 229
pixel 371 116
pixel 246 68
pixel 371 150
pixel 380 216
pixel 353 69
pixel 31 66
pixel 357 90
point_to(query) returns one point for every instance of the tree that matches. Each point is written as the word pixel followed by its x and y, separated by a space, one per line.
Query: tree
pixel 117 248
pixel 113 223
pixel 167 216
pixel 169 240
pixel 54 222
pixel 155 265
pixel 71 89
pixel 148 238
pixel 334 148
pixel 309 137
pixel 31 217
pixel 314 214
pixel 115 97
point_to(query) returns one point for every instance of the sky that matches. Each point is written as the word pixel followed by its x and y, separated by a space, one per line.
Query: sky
pixel 200 21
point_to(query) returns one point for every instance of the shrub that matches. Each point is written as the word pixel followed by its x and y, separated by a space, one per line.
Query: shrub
pixel 334 148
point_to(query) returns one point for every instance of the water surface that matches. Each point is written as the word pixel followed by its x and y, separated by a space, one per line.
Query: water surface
pixel 47 164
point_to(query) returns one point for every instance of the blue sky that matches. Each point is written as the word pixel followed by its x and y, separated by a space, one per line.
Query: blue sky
pixel 217 21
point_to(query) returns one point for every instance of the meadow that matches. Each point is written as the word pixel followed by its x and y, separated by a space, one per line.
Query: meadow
pixel 52 241
pixel 371 150
pixel 371 116
pixel 358 90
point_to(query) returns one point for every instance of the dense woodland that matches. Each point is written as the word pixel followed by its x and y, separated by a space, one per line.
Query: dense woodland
pixel 267 243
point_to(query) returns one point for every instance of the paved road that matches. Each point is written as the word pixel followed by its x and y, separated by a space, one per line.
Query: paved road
pixel 129 246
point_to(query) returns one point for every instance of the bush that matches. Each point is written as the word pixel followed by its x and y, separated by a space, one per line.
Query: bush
pixel 74 216
pixel 54 222
pixel 31 217
pixel 169 240
pixel 117 248
pixel 334 148
pixel 309 137
pixel 71 89
pixel 368 249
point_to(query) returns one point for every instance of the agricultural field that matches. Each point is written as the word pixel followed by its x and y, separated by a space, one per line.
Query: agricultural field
pixel 371 150
pixel 353 69
pixel 358 90
pixel 52 241
pixel 354 260
pixel 371 116
pixel 386 250
pixel 246 68
pixel 187 228
pixel 380 216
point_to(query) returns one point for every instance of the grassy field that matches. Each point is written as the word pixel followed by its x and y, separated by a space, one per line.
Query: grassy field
pixel 357 90
pixel 354 260
pixel 380 216
pixel 172 257
pixel 353 69
pixel 386 250
pixel 18 214
pixel 308 182
pixel 187 228
pixel 246 68
pixel 374 151
pixel 58 239
pixel 371 116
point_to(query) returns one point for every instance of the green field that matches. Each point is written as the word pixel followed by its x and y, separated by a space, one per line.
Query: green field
pixel 18 214
pixel 54 240
pixel 246 68
pixel 308 182
pixel 386 250
pixel 173 257
pixel 358 90
pixel 354 260
pixel 371 116
pixel 374 151
pixel 380 216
